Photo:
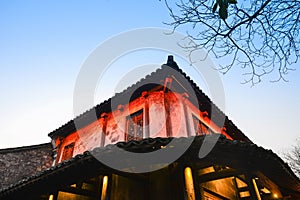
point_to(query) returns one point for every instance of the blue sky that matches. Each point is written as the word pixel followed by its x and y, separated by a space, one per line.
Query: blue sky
pixel 43 47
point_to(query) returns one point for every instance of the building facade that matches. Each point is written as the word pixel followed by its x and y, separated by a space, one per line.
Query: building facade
pixel 163 105
pixel 165 112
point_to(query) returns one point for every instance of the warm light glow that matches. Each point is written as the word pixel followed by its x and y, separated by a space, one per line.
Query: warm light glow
pixel 105 180
pixel 265 190
pixel 189 184
pixel 240 183
pixel 51 197
pixel 275 196
pixel 245 194
pixel 206 170
pixel 256 189
pixel 104 187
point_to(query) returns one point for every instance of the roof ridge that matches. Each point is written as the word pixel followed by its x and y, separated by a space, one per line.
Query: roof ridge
pixel 23 148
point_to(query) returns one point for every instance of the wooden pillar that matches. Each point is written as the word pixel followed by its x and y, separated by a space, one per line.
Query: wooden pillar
pixel 256 189
pixel 186 114
pixel 146 115
pixel 254 192
pixel 189 184
pixel 167 86
pixel 104 190
pixel 59 150
pixel 104 125
pixel 53 196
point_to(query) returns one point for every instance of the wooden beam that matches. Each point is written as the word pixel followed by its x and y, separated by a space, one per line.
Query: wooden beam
pixel 215 194
pixel 79 191
pixel 218 175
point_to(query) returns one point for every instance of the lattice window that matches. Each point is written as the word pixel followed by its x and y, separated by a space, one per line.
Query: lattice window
pixel 134 126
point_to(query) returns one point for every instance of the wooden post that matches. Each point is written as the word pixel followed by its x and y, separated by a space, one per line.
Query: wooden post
pixel 104 124
pixel 167 86
pixel 189 184
pixel 186 114
pixel 146 114
pixel 254 193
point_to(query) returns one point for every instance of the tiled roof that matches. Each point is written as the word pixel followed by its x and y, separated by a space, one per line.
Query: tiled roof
pixel 18 163
pixel 206 104
pixel 235 154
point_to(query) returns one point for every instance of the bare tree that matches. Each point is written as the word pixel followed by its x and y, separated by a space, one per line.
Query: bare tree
pixel 293 158
pixel 260 36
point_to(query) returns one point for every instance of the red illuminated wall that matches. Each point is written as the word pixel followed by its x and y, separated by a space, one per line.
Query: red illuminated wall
pixel 164 114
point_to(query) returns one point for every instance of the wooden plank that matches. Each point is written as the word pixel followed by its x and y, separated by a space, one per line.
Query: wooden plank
pixel 226 173
pixel 79 191
pixel 215 194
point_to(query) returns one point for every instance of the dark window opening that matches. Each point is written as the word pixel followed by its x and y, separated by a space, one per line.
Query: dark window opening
pixel 68 151
pixel 134 126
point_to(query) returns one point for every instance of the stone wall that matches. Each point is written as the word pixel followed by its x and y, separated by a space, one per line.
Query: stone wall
pixel 21 162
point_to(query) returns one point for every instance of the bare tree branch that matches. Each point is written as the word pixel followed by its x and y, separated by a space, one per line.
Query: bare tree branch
pixel 262 36
pixel 293 158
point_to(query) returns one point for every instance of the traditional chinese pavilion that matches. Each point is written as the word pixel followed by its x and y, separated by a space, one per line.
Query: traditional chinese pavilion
pixel 124 149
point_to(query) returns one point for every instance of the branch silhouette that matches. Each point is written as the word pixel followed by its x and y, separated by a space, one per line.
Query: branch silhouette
pixel 262 36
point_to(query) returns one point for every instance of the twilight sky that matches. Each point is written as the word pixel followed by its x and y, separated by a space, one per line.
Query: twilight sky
pixel 43 45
